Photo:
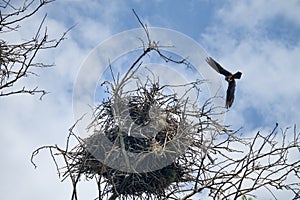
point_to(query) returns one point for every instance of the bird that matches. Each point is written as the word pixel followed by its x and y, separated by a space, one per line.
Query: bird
pixel 229 77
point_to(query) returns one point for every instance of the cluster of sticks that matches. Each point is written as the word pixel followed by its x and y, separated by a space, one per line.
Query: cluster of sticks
pixel 138 144
pixel 132 132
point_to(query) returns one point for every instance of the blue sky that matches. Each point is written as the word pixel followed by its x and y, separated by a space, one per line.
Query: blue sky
pixel 259 38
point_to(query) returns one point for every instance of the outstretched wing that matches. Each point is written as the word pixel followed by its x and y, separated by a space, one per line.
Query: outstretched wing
pixel 237 75
pixel 230 93
pixel 214 64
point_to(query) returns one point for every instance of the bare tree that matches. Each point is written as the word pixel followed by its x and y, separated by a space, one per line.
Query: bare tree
pixel 17 59
pixel 215 159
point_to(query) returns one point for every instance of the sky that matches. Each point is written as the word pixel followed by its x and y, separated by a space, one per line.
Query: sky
pixel 259 38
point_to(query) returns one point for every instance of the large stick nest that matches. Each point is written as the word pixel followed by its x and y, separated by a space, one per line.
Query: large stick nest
pixel 144 122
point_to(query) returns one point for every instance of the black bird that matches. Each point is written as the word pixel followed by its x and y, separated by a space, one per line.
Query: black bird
pixel 229 77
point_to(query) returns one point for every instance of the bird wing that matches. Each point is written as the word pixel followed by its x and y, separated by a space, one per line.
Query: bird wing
pixel 214 64
pixel 237 75
pixel 230 93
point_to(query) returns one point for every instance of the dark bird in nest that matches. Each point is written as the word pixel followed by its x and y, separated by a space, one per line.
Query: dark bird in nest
pixel 229 77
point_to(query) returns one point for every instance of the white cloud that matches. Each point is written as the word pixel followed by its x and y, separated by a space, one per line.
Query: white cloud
pixel 251 14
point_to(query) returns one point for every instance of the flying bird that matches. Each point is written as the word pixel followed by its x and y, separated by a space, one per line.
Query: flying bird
pixel 229 77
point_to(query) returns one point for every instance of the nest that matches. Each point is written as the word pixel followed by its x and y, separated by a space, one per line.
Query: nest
pixel 144 142
pixel 146 130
